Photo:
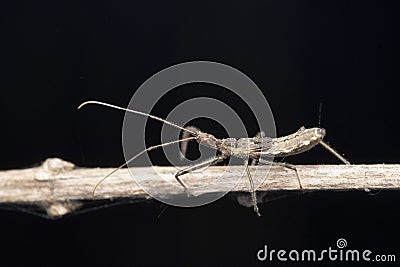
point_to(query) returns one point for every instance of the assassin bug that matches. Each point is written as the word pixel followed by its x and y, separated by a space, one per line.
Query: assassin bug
pixel 245 148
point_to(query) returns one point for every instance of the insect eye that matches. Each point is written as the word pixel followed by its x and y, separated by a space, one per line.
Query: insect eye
pixel 321 131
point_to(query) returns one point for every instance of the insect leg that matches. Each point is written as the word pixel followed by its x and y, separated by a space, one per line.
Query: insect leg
pixel 254 161
pixel 136 156
pixel 186 134
pixel 285 165
pixel 260 134
pixel 334 152
pixel 252 189
pixel 196 167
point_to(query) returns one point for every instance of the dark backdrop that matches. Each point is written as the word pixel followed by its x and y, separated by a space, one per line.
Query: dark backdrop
pixel 56 54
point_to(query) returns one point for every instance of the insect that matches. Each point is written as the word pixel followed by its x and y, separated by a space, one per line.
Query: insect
pixel 245 148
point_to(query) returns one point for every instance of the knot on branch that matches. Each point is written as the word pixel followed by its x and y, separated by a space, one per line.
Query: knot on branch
pixel 51 167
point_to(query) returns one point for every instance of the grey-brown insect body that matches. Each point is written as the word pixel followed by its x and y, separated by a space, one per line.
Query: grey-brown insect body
pixel 298 142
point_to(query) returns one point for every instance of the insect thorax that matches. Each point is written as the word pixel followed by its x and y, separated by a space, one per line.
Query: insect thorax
pixel 243 147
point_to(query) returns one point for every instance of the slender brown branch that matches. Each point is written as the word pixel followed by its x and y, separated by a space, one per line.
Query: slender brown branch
pixel 59 186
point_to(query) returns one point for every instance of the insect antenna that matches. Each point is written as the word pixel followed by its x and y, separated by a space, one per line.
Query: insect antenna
pixel 136 156
pixel 138 113
pixel 320 112
pixel 147 149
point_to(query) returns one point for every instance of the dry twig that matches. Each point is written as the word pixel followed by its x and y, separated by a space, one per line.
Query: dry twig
pixel 59 186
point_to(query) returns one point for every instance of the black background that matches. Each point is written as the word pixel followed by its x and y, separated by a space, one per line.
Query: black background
pixel 56 54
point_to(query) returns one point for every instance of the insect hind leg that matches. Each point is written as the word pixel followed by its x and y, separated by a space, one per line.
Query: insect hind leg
pixel 285 165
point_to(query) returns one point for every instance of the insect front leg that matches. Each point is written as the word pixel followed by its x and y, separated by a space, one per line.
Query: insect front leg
pixel 203 164
pixel 186 134
pixel 285 165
